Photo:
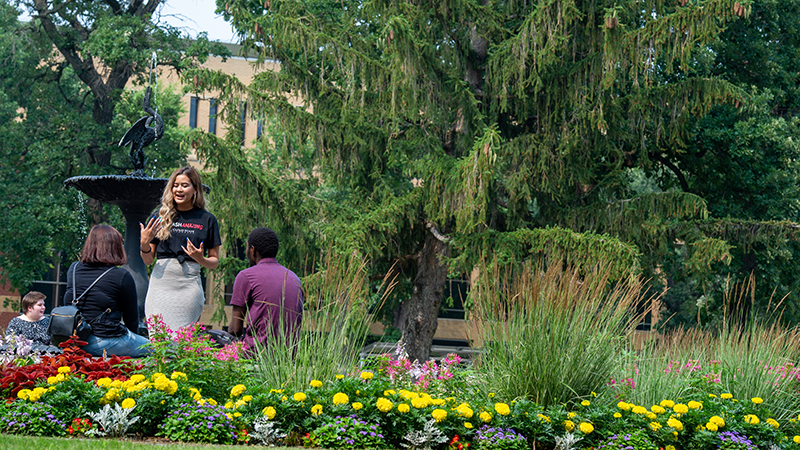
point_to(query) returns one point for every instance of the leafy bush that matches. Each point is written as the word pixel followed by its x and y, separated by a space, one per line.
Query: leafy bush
pixel 348 432
pixel 35 419
pixel 195 422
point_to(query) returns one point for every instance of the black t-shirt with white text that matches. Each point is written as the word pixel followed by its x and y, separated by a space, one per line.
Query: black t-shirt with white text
pixel 196 224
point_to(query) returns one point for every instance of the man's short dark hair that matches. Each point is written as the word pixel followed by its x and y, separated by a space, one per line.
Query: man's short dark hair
pixel 265 242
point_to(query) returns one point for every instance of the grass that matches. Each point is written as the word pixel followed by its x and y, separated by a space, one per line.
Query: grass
pixel 14 442
pixel 551 335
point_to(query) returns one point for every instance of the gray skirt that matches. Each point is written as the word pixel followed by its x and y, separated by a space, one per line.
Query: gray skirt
pixel 175 292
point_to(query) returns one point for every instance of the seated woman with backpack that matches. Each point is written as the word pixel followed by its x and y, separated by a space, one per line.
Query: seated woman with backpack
pixel 106 295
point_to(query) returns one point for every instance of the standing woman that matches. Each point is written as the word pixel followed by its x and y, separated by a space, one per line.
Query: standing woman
pixel 184 238
pixel 106 295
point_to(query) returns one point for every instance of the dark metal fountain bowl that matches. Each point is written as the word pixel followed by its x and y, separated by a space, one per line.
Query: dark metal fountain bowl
pixel 138 195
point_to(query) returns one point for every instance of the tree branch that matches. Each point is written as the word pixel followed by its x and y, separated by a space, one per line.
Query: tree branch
pixel 668 164
pixel 436 233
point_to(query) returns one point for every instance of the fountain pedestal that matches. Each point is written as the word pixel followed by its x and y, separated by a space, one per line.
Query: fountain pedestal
pixel 136 197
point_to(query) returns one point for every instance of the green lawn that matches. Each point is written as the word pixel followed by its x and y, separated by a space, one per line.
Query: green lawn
pixel 15 442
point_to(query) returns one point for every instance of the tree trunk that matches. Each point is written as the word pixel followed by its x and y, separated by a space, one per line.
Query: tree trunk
pixel 422 309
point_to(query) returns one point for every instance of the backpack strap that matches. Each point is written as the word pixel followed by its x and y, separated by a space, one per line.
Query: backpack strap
pixel 74 291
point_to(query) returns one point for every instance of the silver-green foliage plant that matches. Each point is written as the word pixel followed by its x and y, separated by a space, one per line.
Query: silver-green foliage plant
pixel 548 334
pixel 568 442
pixel 266 432
pixel 426 438
pixel 114 421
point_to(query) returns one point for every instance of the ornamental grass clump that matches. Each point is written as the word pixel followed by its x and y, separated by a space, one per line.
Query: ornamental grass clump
pixel 347 432
pixel 194 422
pixel 338 307
pixel 487 437
pixel 551 335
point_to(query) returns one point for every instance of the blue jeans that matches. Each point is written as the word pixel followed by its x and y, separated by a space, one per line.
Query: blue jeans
pixel 125 345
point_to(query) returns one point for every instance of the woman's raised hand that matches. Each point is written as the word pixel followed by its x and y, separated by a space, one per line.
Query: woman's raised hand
pixel 148 232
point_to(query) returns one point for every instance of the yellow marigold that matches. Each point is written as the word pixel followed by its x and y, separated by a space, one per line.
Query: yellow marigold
pixel 247 398
pixel 384 404
pixel 270 412
pixel 195 393
pixel 340 398
pixel 127 384
pixel 64 369
pixel 569 425
pixel 680 408
pixel 439 414
pixel 172 387
pixel 367 375
pixel 655 426
pixel 228 405
pixel 502 409
pixel 316 384
pixel 625 406
pixel 639 410
pixel 403 408
pixel 238 390
pixel 179 376
pixel 658 409
pixel 717 420
pixel 299 397
pixel 407 395
pixel 586 403
pixel 438 401
pixel 651 415
pixel 137 378
pixel 102 382
pixel 389 393
pixel 586 427
pixel 115 383
pixel 36 394
pixel 237 414
pixel 339 376
pixel 543 418
pixel 52 380
pixel 485 416
pixel 419 402
pixel 357 405
pixel 468 426
pixel 674 423
pixel 751 419
pixel 156 375
pixel 712 395
pixel 617 415
pixel 284 398
pixel 757 400
pixel 128 403
pixel 695 405
pixel 667 403
pixel 211 401
pixel 726 396
pixel 465 411
pixel 239 403
pixel 773 422
pixel 276 391
pixel 796 439
pixel 669 447
pixel 711 426
pixel 571 414
pixel 491 394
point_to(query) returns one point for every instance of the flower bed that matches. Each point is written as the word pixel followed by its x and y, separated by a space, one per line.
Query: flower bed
pixel 391 403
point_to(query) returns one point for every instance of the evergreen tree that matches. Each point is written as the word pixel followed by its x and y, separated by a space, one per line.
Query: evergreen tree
pixel 459 130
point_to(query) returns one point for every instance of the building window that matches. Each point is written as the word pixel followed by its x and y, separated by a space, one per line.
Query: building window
pixel 259 128
pixel 193 113
pixel 212 116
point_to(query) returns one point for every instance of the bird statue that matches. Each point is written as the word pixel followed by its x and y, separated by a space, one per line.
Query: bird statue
pixel 141 134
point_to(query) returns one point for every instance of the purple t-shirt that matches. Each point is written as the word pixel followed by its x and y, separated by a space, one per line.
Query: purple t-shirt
pixel 262 289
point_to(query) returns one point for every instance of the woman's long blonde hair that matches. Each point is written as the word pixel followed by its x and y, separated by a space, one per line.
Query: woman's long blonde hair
pixel 168 211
